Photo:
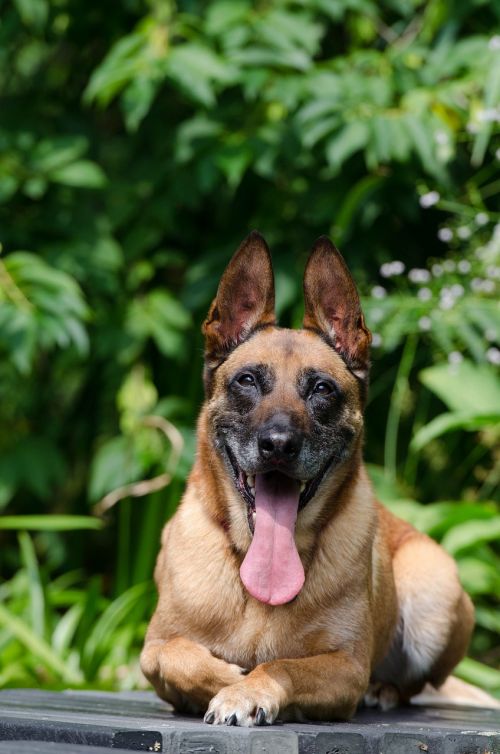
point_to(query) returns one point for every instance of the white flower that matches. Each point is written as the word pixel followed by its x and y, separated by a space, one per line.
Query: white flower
pixel 417 275
pixel 386 270
pixel 437 270
pixel 493 272
pixel 445 234
pixel 449 265
pixel 482 218
pixel 457 290
pixel 464 232
pixel 424 294
pixel 379 291
pixel 447 302
pixel 493 355
pixel 478 285
pixel 397 267
pixel 429 199
pixel 463 266
pixel 494 43
pixel 441 137
pixel 392 269
pixel 455 357
pixel 376 340
pixel 447 298
pixel 425 323
pixel 489 115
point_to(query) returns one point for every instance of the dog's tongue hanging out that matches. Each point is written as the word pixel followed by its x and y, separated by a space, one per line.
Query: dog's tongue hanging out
pixel 272 571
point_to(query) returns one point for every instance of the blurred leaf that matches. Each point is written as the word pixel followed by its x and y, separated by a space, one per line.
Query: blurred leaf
pixel 104 630
pixel 38 647
pixel 351 138
pixel 449 421
pixel 477 673
pixel 36 592
pixel 471 533
pixel 464 387
pixel 114 465
pixel 41 457
pixel 34 13
pixel 51 522
pixel 81 174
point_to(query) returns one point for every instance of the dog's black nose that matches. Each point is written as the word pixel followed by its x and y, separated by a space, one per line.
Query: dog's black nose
pixel 279 442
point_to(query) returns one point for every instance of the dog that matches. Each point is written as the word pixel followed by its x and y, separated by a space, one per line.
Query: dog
pixel 285 588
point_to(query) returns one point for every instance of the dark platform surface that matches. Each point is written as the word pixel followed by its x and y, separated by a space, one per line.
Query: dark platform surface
pixel 42 722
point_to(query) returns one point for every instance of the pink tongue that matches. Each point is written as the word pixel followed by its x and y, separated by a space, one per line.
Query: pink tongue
pixel 272 571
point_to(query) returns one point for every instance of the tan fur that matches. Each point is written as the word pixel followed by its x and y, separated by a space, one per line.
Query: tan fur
pixel 381 602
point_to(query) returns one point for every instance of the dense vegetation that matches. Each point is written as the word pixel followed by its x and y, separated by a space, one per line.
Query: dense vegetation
pixel 139 142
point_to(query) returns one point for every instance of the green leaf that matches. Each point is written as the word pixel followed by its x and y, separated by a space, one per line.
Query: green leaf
pixel 35 588
pixel 53 153
pixel 471 533
pixel 114 465
pixel 80 174
pixel 448 422
pixel 491 100
pixel 34 13
pixel 50 522
pixel 102 635
pixel 478 577
pixel 352 138
pixel 479 674
pixel 38 647
pixel 465 387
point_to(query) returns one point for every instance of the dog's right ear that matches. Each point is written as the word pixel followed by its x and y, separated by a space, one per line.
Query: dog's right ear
pixel 244 301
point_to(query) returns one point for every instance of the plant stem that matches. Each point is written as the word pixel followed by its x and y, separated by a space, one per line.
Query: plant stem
pixel 394 416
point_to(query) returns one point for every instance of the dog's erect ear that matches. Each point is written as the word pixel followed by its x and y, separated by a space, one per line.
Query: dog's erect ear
pixel 244 300
pixel 332 306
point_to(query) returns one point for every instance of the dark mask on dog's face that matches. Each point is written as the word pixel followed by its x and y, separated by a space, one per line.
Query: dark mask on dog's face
pixel 285 406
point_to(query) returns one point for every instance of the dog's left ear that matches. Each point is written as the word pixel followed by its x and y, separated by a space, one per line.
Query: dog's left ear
pixel 332 306
pixel 244 301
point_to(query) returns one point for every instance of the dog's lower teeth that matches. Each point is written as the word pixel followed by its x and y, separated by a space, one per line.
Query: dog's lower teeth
pixel 251 481
pixel 302 486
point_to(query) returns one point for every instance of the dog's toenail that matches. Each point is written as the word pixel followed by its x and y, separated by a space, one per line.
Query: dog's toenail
pixel 260 717
pixel 232 719
pixel 209 718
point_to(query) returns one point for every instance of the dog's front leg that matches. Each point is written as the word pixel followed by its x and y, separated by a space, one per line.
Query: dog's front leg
pixel 185 673
pixel 326 687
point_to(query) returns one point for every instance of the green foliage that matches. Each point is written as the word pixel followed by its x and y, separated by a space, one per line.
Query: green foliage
pixel 180 126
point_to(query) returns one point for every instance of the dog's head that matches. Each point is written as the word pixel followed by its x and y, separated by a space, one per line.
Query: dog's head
pixel 284 406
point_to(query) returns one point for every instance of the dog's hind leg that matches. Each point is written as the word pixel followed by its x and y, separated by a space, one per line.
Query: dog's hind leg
pixel 435 621
pixel 185 673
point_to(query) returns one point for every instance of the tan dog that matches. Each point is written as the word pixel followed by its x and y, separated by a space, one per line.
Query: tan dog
pixel 285 588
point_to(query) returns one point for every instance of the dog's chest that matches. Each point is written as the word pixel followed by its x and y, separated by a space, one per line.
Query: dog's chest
pixel 261 635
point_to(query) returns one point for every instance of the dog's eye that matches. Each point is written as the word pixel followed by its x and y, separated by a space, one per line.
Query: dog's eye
pixel 246 380
pixel 322 388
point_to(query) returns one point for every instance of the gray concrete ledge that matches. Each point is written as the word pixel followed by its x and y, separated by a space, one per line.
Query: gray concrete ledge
pixel 72 721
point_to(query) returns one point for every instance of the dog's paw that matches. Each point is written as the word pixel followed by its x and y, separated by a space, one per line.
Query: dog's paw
pixel 241 704
pixel 381 695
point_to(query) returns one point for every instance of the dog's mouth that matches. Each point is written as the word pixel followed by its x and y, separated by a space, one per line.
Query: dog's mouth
pixel 272 571
pixel 245 484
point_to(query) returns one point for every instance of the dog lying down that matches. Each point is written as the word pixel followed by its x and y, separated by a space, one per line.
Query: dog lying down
pixel 285 588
